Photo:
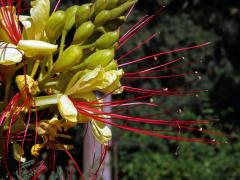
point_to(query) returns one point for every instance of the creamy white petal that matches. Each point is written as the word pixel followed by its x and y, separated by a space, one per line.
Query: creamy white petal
pixel 9 54
pixel 35 47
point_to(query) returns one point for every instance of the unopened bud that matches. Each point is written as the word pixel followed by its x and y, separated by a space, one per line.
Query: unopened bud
pixel 115 24
pixel 83 32
pixel 102 17
pixel 122 1
pixel 70 17
pixel 112 4
pixel 118 11
pixel 100 5
pixel 107 40
pixel 55 25
pixel 83 14
pixel 99 58
pixel 70 57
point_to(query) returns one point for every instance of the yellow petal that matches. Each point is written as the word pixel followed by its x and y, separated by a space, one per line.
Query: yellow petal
pixel 40 14
pixel 101 132
pixel 89 97
pixel 108 79
pixel 9 54
pixel 84 81
pixel 35 48
pixel 28 27
pixel 18 152
pixel 4 36
pixel 66 108
pixel 87 81
pixel 31 84
pixel 35 150
pixel 82 119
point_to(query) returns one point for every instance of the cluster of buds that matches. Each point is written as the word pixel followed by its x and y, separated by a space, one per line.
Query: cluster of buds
pixel 67 76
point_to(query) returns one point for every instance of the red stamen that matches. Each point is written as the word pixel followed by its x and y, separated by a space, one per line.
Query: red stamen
pixel 164 53
pixel 9 23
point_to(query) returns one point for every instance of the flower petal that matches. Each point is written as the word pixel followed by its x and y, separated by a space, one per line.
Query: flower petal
pixel 97 79
pixel 67 109
pixel 9 54
pixel 101 132
pixel 28 27
pixel 31 84
pixel 18 152
pixel 35 47
pixel 40 14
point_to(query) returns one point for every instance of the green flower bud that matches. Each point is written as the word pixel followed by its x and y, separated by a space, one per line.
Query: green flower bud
pixel 102 18
pixel 70 17
pixel 83 14
pixel 99 58
pixel 55 25
pixel 100 5
pixel 115 24
pixel 70 57
pixel 122 1
pixel 112 4
pixel 107 40
pixel 118 11
pixel 83 32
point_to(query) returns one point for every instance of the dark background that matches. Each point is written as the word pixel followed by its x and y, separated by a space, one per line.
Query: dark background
pixel 186 22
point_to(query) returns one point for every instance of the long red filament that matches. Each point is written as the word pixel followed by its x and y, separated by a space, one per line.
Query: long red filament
pixel 164 53
pixel 9 22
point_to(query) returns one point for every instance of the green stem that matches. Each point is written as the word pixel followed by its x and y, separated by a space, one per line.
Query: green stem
pixel 42 70
pixel 45 79
pixel 64 34
pixel 50 62
pixel 30 65
pixel 87 46
pixel 46 100
pixel 35 68
pixel 51 83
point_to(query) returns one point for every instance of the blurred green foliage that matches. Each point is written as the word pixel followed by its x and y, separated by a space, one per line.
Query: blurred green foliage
pixel 183 23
